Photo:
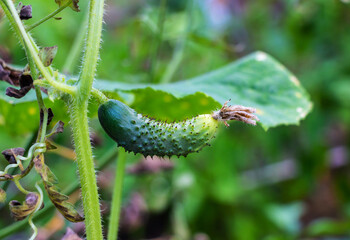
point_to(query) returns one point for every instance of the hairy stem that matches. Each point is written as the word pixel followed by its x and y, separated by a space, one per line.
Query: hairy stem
pixel 92 47
pixel 32 51
pixel 79 123
pixel 113 225
pixel 100 97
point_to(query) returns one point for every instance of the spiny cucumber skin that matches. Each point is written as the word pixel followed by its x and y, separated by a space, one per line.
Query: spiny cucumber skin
pixel 139 134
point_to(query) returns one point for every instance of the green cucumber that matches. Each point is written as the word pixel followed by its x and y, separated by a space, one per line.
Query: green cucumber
pixel 139 134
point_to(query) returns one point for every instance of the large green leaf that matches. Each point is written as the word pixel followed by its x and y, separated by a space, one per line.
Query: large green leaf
pixel 255 81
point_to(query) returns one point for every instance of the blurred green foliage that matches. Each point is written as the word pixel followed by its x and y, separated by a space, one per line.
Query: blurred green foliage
pixel 290 182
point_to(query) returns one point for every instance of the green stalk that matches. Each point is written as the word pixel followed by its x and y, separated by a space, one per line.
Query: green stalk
pixel 79 121
pixel 54 13
pixel 32 51
pixel 79 124
pixel 113 225
pixel 92 47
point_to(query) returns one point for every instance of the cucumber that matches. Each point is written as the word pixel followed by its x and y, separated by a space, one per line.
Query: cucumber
pixel 139 134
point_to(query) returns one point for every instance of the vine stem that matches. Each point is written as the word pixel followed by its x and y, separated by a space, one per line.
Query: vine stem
pixel 54 13
pixel 32 51
pixel 113 225
pixel 79 122
pixel 92 47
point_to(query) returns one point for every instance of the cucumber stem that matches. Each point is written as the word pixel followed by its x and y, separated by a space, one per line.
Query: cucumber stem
pixel 113 225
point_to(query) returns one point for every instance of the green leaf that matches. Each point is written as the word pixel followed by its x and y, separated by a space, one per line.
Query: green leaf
pixel 256 81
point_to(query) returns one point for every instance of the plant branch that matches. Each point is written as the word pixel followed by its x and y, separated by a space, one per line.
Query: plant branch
pixel 32 50
pixel 99 95
pixel 51 15
pixel 92 47
pixel 79 122
pixel 113 225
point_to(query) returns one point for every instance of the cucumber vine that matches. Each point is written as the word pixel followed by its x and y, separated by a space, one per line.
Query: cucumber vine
pixel 134 132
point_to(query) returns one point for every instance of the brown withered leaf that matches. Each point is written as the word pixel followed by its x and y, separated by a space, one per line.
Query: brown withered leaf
pixel 74 5
pixel 10 154
pixel 58 128
pixel 58 199
pixel 25 83
pixel 71 235
pixel 49 117
pixel 20 211
pixel 25 12
pixel 9 74
pixel 17 93
pixel 47 54
pixel 2 195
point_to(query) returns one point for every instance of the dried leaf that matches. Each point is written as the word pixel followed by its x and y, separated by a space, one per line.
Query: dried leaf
pixel 19 211
pixel 58 128
pixel 47 54
pixel 71 235
pixel 17 93
pixel 2 195
pixel 74 5
pixel 9 74
pixel 10 154
pixel 25 12
pixel 49 117
pixel 58 199
pixel 25 82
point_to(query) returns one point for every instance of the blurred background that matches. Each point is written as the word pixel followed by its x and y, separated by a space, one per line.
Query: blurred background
pixel 290 182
